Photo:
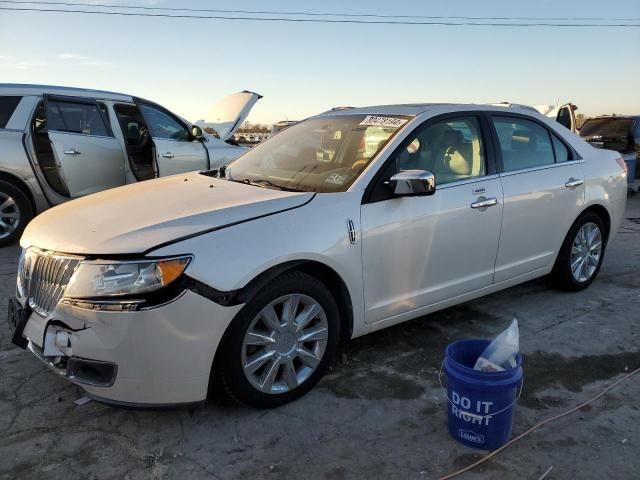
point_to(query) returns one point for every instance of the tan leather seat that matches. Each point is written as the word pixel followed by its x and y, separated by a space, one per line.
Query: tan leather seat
pixel 456 158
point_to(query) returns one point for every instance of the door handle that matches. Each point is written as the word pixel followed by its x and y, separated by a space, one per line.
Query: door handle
pixel 72 151
pixel 167 155
pixel 573 182
pixel 485 202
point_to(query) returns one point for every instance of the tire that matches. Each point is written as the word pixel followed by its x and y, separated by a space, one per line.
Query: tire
pixel 15 213
pixel 288 373
pixel 563 276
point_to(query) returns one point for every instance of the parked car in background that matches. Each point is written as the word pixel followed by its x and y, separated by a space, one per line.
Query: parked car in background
pixel 58 143
pixel 281 125
pixel 563 114
pixel 250 276
pixel 620 133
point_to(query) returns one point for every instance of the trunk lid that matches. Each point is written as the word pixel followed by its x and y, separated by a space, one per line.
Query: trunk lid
pixel 227 115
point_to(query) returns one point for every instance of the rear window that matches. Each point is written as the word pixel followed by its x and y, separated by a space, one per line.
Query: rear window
pixel 607 127
pixel 7 107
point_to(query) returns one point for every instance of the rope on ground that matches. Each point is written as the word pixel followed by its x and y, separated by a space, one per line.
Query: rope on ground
pixel 538 425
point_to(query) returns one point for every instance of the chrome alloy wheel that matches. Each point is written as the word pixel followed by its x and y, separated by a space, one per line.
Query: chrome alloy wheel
pixel 284 343
pixel 586 251
pixel 9 215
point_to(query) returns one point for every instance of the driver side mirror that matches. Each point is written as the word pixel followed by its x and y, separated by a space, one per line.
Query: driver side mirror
pixel 412 183
pixel 196 132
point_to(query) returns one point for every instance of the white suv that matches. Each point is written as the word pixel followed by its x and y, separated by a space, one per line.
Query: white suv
pixel 251 275
pixel 58 143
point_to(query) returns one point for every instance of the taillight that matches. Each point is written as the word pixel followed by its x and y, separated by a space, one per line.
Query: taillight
pixel 622 164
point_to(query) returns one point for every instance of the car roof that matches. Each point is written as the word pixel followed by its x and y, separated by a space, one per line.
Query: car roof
pixel 413 109
pixel 34 89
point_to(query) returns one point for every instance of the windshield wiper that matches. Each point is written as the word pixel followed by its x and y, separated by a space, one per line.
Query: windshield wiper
pixel 263 183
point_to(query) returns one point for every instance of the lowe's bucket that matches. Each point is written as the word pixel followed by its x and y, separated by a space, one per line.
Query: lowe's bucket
pixel 480 404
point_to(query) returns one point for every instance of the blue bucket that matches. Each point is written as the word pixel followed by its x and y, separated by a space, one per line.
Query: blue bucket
pixel 480 404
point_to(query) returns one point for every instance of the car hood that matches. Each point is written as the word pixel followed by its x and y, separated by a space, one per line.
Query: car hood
pixel 226 116
pixel 139 217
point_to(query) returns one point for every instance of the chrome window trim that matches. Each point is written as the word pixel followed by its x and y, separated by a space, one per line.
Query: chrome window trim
pixel 466 181
pixel 15 130
pixel 82 134
pixel 176 140
pixel 542 167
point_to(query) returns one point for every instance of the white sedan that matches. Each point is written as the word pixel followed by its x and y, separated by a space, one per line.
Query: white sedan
pixel 253 274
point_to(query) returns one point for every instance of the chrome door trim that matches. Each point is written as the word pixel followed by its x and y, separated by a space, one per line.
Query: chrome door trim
pixel 543 167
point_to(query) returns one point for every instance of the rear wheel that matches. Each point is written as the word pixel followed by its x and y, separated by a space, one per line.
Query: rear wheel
pixel 281 342
pixel 581 255
pixel 15 213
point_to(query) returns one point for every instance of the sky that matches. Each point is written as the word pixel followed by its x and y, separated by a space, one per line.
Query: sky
pixel 302 69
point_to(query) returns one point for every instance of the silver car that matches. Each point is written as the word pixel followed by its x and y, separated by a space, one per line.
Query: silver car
pixel 59 143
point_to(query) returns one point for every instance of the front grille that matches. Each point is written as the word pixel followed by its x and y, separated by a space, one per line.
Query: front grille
pixel 43 277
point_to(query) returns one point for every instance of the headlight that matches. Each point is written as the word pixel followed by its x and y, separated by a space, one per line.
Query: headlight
pixel 104 278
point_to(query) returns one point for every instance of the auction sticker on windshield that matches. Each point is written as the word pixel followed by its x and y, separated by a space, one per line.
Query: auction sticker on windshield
pixel 383 121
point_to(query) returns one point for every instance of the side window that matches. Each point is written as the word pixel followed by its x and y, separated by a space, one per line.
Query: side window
pixel 523 143
pixel 131 123
pixel 451 149
pixel 563 154
pixel 7 107
pixel 84 118
pixel 163 125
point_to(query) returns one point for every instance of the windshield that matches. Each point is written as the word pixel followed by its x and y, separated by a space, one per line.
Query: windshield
pixel 324 154
pixel 607 127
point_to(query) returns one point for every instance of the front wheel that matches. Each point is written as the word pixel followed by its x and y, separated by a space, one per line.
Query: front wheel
pixel 581 254
pixel 15 213
pixel 281 342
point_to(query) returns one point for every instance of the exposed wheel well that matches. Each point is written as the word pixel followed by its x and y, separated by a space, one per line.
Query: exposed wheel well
pixel 20 184
pixel 329 277
pixel 604 215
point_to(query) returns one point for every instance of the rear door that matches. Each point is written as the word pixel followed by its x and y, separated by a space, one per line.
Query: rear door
pixel 175 149
pixel 543 187
pixel 87 155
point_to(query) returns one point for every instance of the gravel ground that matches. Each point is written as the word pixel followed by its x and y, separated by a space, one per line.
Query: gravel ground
pixel 379 413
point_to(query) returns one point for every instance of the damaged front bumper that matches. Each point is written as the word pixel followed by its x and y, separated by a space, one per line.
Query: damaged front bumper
pixel 148 357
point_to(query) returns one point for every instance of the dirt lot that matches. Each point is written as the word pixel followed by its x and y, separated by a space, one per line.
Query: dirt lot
pixel 379 413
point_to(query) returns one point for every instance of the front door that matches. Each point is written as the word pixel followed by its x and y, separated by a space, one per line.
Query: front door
pixel 419 251
pixel 566 117
pixel 87 156
pixel 176 151
pixel 543 188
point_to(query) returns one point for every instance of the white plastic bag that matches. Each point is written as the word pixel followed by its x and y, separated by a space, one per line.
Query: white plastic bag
pixel 501 352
